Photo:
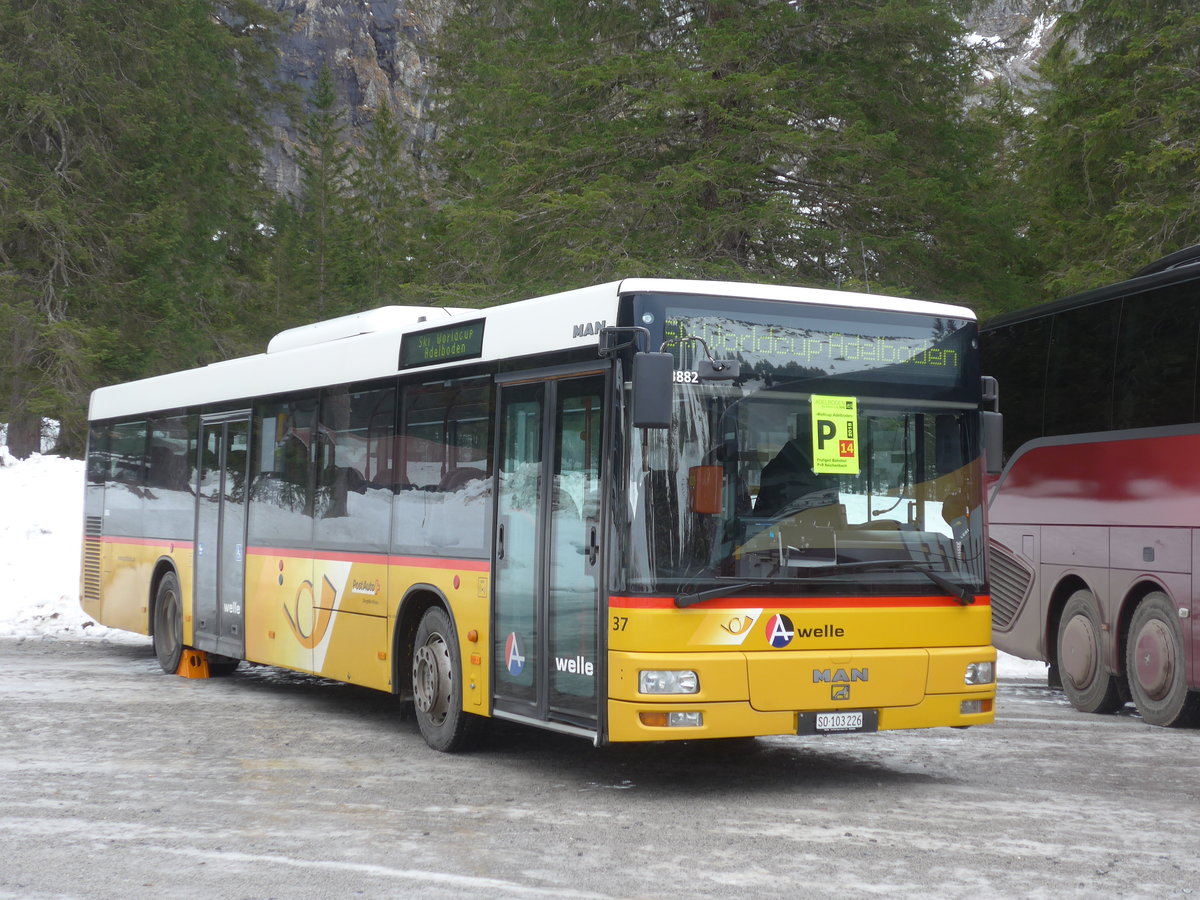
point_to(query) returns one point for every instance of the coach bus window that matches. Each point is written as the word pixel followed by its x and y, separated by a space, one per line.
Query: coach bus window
pixel 1016 356
pixel 281 496
pixel 354 469
pixel 1079 374
pixel 1156 359
pixel 443 495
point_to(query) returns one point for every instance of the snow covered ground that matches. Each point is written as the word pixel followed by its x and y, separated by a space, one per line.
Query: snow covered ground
pixel 41 526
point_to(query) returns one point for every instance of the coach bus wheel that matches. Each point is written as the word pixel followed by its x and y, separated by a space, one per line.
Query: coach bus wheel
pixel 1157 665
pixel 1087 684
pixel 168 624
pixel 437 686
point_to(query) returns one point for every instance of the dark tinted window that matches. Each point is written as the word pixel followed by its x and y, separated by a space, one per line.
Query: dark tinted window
pixel 1015 356
pixel 1079 369
pixel 1156 358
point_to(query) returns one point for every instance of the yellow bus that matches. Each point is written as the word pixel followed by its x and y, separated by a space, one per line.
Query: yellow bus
pixel 647 510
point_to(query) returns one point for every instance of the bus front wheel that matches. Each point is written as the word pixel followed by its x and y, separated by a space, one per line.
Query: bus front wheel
pixel 437 686
pixel 168 624
pixel 1157 665
pixel 1085 680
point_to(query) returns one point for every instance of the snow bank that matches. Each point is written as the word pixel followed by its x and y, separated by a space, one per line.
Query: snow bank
pixel 41 522
pixel 41 531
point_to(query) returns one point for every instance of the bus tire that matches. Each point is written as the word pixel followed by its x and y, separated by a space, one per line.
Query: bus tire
pixel 1156 664
pixel 1085 681
pixel 437 686
pixel 168 624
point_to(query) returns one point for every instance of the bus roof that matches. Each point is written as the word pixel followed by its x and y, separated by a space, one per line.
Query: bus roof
pixel 366 346
pixel 1178 267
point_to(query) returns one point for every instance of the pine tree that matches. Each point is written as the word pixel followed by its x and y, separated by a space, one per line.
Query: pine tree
pixel 327 268
pixel 1115 155
pixel 387 210
pixel 820 143
pixel 128 190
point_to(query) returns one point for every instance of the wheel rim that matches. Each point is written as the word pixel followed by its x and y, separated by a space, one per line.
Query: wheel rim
pixel 1155 663
pixel 167 629
pixel 431 678
pixel 1080 652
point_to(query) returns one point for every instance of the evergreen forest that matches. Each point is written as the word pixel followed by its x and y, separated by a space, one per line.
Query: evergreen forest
pixel 853 144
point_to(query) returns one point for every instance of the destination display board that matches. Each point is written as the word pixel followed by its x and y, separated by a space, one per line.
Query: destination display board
pixel 447 343
pixel 820 343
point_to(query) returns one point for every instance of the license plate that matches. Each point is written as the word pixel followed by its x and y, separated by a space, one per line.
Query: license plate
pixel 844 721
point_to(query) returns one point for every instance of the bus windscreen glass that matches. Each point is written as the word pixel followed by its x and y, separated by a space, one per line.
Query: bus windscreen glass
pixel 845 452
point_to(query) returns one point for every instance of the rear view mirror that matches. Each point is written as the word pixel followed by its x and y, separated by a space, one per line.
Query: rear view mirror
pixel 993 441
pixel 652 376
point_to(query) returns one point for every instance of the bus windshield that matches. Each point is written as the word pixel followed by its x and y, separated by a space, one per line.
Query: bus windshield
pixel 757 485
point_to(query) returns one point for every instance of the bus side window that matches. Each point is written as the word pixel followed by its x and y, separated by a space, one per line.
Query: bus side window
pixel 446 460
pixel 353 500
pixel 1156 359
pixel 281 495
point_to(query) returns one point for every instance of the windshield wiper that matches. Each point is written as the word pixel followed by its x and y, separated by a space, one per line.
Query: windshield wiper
pixel 958 592
pixel 691 599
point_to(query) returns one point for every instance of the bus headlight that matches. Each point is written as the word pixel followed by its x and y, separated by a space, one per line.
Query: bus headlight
pixel 980 673
pixel 668 681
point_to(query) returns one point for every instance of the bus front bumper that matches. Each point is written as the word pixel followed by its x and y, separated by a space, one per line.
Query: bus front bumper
pixel 759 694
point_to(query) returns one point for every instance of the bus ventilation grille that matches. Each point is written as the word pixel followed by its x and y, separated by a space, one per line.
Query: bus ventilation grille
pixel 91 568
pixel 93 526
pixel 1010 579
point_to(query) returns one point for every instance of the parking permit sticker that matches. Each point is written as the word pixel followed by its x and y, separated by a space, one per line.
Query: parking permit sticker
pixel 835 435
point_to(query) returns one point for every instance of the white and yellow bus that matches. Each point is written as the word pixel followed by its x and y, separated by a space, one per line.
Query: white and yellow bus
pixel 641 511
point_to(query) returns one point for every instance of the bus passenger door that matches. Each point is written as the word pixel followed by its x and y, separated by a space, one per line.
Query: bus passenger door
pixel 218 601
pixel 546 585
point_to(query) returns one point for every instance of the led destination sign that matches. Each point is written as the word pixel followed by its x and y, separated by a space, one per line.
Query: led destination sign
pixel 924 349
pixel 462 340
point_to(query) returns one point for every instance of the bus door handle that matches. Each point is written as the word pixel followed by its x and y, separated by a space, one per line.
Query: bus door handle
pixel 593 548
pixel 500 541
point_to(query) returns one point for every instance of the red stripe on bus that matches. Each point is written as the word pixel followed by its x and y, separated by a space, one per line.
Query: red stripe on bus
pixel 142 542
pixel 377 559
pixel 794 603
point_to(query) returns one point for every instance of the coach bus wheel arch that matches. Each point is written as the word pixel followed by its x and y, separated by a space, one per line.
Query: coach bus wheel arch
pixel 437 685
pixel 168 622
pixel 1058 599
pixel 1081 659
pixel 1156 664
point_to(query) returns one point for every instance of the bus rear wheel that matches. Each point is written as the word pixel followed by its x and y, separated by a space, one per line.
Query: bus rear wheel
pixel 1157 665
pixel 437 686
pixel 168 624
pixel 1085 681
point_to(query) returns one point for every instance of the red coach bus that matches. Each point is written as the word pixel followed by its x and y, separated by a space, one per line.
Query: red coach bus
pixel 1095 520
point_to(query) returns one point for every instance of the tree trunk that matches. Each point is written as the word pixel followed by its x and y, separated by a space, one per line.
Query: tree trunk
pixel 24 435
